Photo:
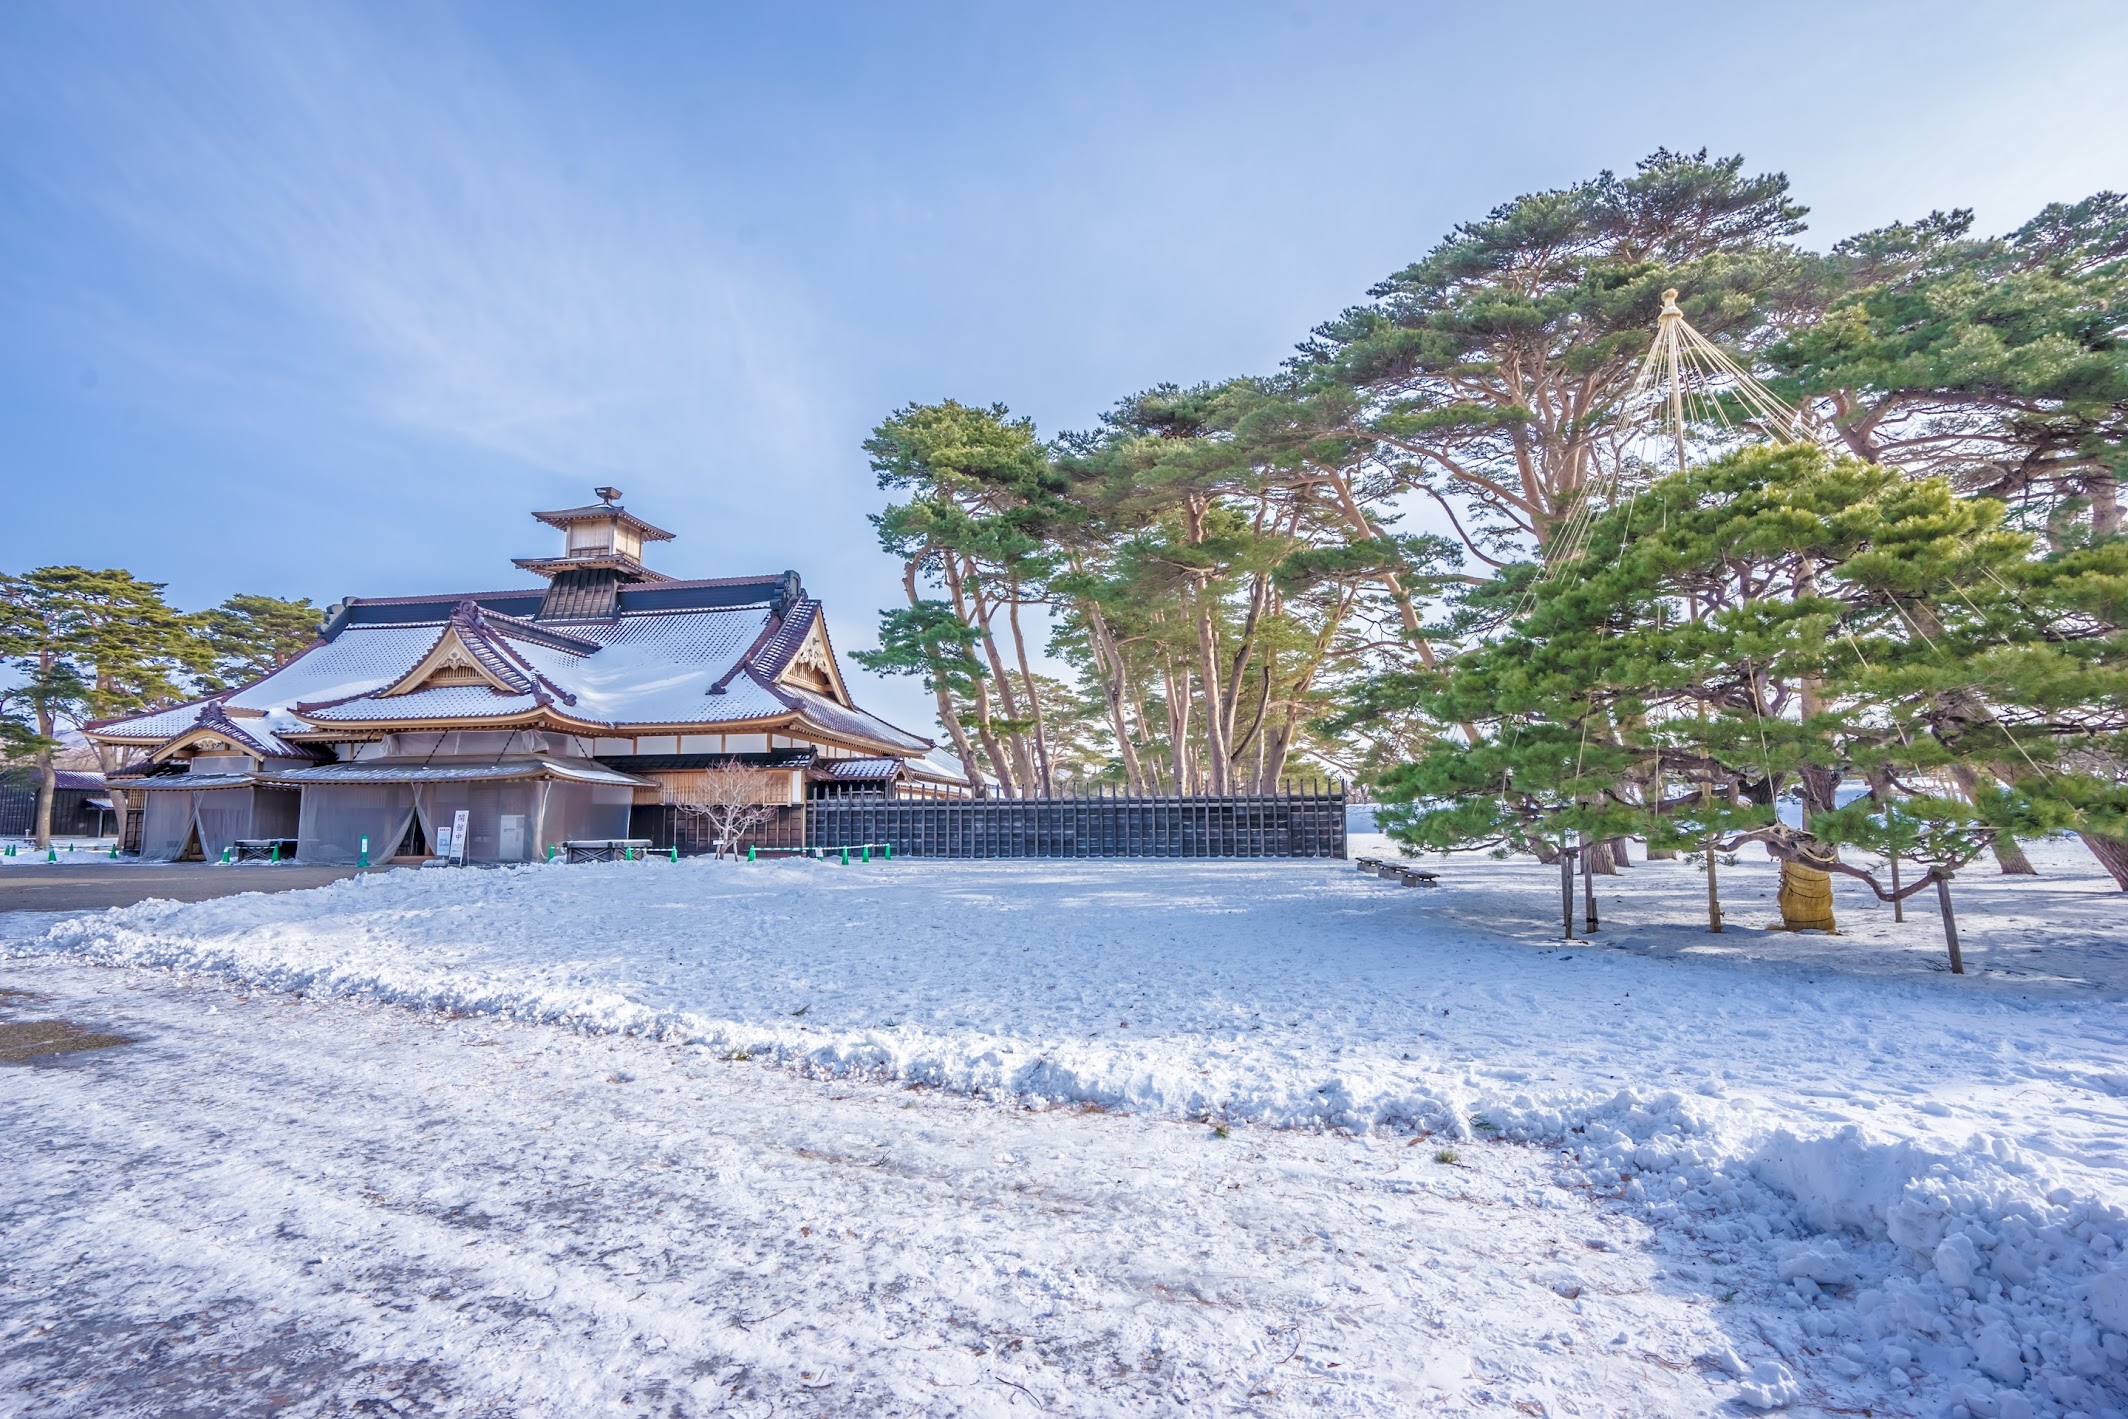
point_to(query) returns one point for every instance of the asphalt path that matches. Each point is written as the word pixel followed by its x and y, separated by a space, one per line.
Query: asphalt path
pixel 30 886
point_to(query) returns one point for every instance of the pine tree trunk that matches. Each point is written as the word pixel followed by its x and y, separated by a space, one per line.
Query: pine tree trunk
pixel 948 714
pixel 1115 690
pixel 1178 725
pixel 1023 770
pixel 1566 894
pixel 2112 854
pixel 1651 793
pixel 1588 888
pixel 47 783
pixel 2009 856
pixel 109 760
pixel 1044 780
pixel 1215 740
pixel 2105 506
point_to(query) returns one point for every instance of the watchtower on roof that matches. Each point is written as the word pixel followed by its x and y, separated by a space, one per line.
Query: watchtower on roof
pixel 602 547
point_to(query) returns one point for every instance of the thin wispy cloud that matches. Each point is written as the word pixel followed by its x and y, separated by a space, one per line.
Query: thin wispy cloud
pixel 399 226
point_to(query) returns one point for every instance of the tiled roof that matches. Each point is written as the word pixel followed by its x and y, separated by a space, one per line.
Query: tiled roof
pixel 777 648
pixel 938 770
pixel 850 722
pixel 666 763
pixel 191 782
pixel 579 770
pixel 861 770
pixel 653 665
pixel 582 594
pixel 707 594
pixel 437 702
pixel 150 728
pixel 599 512
pixel 252 733
pixel 68 781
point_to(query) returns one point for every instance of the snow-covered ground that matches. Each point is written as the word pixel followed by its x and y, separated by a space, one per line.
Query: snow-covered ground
pixel 82 851
pixel 1824 1171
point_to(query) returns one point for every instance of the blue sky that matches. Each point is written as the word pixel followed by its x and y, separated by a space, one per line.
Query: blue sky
pixel 315 300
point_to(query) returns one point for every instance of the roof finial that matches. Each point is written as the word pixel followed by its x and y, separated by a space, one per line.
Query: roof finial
pixel 608 496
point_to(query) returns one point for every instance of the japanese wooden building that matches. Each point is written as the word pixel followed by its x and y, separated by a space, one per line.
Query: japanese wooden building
pixel 548 713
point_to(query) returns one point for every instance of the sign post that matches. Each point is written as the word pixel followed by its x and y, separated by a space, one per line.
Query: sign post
pixel 458 836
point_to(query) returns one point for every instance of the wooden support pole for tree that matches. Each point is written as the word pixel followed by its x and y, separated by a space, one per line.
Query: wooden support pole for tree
pixel 1566 890
pixel 1714 895
pixel 1950 922
pixel 1891 838
pixel 1588 888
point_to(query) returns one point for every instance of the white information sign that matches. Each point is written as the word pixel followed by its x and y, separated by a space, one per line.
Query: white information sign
pixel 458 835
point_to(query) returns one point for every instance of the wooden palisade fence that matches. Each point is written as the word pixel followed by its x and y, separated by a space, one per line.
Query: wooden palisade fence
pixel 1300 821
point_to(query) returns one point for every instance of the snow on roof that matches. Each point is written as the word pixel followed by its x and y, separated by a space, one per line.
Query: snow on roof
pixel 862 770
pixel 437 702
pixel 191 782
pixel 657 668
pixel 150 728
pixel 363 659
pixel 934 768
pixel 583 771
pixel 847 720
pixel 654 667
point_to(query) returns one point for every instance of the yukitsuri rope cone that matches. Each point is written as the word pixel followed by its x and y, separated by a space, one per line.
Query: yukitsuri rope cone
pixel 1680 358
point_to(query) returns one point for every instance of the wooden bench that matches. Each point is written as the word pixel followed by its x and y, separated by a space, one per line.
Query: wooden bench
pixel 605 849
pixel 1408 875
pixel 841 851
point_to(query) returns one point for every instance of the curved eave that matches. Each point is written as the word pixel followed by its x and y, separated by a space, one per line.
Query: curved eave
pixel 603 512
pixel 334 728
pixel 542 717
pixel 603 561
pixel 877 748
pixel 124 741
pixel 166 747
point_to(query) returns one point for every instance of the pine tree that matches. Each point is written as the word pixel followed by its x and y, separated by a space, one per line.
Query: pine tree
pixel 1998 363
pixel 1852 624
pixel 252 636
pixel 92 645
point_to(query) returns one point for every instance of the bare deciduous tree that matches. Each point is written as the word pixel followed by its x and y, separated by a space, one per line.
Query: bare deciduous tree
pixel 726 801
